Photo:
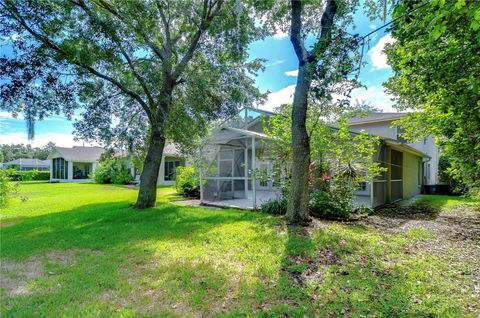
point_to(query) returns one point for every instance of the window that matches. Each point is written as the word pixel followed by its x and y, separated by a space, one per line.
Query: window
pixel 59 168
pixel 81 170
pixel 170 167
pixel 400 132
pixel 362 186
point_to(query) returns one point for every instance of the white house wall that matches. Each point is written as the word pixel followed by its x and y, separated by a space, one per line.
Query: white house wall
pixel 427 146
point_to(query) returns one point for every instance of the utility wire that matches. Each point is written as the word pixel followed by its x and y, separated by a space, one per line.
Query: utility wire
pixel 362 39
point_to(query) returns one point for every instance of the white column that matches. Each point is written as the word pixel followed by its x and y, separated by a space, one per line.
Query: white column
pixel 245 156
pixel 254 179
pixel 70 171
pixel 161 172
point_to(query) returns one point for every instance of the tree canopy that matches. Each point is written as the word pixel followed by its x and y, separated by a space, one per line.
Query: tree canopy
pixel 141 71
pixel 17 151
pixel 436 64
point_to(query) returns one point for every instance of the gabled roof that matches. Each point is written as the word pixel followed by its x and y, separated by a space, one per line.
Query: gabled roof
pixel 375 117
pixel 92 154
pixel 83 154
pixel 28 162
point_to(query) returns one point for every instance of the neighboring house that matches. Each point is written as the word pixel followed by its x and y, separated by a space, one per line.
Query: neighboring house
pixel 74 164
pixel 381 124
pixel 236 148
pixel 171 159
pixel 27 164
pixel 77 163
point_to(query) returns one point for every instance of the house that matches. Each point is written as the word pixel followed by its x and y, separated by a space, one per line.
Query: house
pixel 77 163
pixel 27 164
pixel 234 164
pixel 381 124
pixel 74 164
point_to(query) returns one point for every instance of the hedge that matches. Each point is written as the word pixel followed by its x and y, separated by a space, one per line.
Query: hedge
pixel 32 175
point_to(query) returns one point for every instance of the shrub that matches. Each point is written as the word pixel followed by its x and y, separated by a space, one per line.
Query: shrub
pixel 7 188
pixel 32 175
pixel 112 171
pixel 275 207
pixel 187 181
pixel 336 204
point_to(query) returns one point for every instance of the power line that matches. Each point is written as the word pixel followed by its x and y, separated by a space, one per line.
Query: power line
pixel 362 39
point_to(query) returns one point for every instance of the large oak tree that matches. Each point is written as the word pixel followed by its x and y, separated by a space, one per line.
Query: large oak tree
pixel 141 71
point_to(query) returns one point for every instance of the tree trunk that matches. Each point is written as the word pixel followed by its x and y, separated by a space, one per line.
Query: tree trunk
pixel 147 195
pixel 297 211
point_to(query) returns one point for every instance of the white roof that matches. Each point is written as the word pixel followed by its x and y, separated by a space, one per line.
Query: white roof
pixel 375 117
pixel 83 154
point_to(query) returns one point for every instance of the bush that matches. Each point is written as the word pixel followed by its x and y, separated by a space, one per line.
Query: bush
pixel 112 171
pixel 187 182
pixel 7 188
pixel 336 204
pixel 32 175
pixel 275 207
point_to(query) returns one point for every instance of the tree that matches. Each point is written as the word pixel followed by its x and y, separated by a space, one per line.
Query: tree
pixel 436 70
pixel 320 69
pixel 142 71
pixel 326 73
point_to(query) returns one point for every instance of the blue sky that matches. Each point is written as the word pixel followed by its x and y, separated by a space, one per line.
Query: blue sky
pixel 278 78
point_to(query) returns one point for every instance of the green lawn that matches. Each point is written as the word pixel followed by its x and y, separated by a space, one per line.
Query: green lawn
pixel 76 250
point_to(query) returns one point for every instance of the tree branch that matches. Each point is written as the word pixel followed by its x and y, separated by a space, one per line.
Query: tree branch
pixel 296 32
pixel 116 39
pixel 325 34
pixel 207 17
pixel 49 43
pixel 115 13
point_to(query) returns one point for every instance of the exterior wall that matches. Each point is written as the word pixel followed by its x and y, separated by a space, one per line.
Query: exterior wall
pixel 411 169
pixel 426 146
pixel 429 147
pixel 381 129
pixel 70 172
pixel 161 173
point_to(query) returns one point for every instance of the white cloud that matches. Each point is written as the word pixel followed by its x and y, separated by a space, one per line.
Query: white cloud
pixel 373 26
pixel 276 62
pixel 7 115
pixel 292 73
pixel 40 140
pixel 379 59
pixel 376 96
pixel 279 35
pixel 275 99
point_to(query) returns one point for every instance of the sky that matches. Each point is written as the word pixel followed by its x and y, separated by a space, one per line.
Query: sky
pixel 278 78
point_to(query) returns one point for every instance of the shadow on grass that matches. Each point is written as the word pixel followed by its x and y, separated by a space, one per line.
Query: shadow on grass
pixel 98 226
pixel 331 270
pixel 348 270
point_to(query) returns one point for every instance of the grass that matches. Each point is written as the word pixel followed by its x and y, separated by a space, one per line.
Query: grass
pixel 75 250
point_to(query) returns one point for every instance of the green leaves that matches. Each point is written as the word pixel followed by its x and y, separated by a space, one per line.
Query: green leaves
pixel 436 68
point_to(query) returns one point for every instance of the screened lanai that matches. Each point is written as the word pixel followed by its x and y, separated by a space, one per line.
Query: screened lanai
pixel 234 171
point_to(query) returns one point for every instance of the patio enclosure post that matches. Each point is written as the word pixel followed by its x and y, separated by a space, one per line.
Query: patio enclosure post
pixel 245 163
pixel 201 175
pixel 254 181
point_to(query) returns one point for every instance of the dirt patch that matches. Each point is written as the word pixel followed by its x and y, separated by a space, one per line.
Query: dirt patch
pixel 459 224
pixel 313 267
pixel 18 277
pixel 8 224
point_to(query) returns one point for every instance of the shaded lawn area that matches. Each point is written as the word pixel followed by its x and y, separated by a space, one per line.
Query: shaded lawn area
pixel 79 250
